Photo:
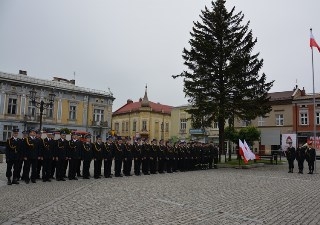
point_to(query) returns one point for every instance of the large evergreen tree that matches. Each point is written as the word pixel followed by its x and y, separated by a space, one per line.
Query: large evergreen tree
pixel 223 77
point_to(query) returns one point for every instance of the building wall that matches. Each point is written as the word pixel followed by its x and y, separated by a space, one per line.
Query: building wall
pixel 18 87
pixel 153 120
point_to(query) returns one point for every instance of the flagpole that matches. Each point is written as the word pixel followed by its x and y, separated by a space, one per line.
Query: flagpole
pixel 314 109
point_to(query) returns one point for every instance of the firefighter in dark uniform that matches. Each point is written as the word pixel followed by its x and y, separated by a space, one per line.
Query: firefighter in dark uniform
pixel 107 151
pixel 169 157
pixel 40 145
pixel 210 153
pixel 127 158
pixel 60 154
pixel 73 155
pixel 118 157
pixel 47 152
pixel 145 158
pixel 31 156
pixel 300 157
pixel 215 157
pixel 161 156
pixel 291 155
pixel 137 156
pixel 310 157
pixel 97 157
pixel 13 156
pixel 153 156
pixel 86 156
pixel 20 159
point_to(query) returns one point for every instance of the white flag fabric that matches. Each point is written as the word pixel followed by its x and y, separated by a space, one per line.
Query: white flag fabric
pixel 252 156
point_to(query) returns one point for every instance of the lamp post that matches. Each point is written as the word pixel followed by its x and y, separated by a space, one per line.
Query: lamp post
pixel 41 104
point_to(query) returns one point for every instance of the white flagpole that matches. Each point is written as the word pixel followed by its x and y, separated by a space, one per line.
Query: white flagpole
pixel 314 108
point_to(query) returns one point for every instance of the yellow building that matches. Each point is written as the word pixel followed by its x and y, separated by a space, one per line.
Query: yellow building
pixel 75 108
pixel 144 119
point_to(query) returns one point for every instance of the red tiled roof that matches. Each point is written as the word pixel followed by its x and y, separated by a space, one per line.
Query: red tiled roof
pixel 280 95
pixel 135 106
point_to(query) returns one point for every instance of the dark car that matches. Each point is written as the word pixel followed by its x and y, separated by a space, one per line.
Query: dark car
pixel 2 147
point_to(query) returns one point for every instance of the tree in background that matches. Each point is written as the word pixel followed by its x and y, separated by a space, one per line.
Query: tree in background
pixel 222 78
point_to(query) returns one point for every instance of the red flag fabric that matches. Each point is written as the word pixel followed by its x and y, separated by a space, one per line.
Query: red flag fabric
pixel 313 42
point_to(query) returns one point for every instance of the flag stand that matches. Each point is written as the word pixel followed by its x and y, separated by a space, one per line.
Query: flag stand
pixel 314 109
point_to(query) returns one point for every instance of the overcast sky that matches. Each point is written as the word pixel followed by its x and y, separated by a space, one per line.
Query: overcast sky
pixel 125 44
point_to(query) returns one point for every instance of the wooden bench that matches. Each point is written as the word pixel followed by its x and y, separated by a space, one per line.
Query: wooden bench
pixel 270 157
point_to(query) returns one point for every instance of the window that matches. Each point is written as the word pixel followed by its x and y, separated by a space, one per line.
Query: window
pixel 260 121
pixel 49 112
pixel 245 123
pixel 304 118
pixel 116 127
pixel 167 127
pixel 127 126
pixel 134 126
pixel 98 115
pixel 215 125
pixel 12 106
pixel 318 118
pixel 7 131
pixel 72 112
pixel 31 110
pixel 122 126
pixel 144 125
pixel 183 125
pixel 279 120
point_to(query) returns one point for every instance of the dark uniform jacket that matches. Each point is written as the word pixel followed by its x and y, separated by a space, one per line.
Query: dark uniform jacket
pixel 310 154
pixel 13 149
pixel 128 154
pixel 86 151
pixel 31 150
pixel 47 151
pixel 291 153
pixel 98 150
pixel 301 154
pixel 61 149
pixel 74 147
pixel 107 151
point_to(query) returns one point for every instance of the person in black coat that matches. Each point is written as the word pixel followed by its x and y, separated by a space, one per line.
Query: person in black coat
pixel 291 155
pixel 300 157
pixel 31 155
pixel 137 156
pixel 145 158
pixel 40 146
pixel 60 154
pixel 47 156
pixel 119 149
pixel 86 156
pixel 13 155
pixel 161 156
pixel 73 155
pixel 97 156
pixel 154 149
pixel 127 158
pixel 107 151
pixel 310 157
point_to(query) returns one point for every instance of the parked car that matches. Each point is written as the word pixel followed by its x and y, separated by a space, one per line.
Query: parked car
pixel 2 147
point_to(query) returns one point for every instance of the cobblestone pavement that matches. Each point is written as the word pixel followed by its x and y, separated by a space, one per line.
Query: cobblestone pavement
pixel 263 195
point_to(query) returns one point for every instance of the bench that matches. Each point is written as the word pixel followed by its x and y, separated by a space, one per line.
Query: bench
pixel 270 157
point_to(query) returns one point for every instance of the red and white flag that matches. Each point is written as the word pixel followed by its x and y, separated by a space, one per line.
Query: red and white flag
pixel 252 155
pixel 243 152
pixel 313 42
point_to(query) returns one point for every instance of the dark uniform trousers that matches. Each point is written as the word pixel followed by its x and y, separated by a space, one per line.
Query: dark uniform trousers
pixel 97 167
pixel 72 168
pixel 107 167
pixel 137 166
pixel 127 165
pixel 60 168
pixel 53 168
pixel 12 164
pixel 30 164
pixel 145 165
pixel 86 168
pixel 117 166
pixel 161 165
pixel 46 169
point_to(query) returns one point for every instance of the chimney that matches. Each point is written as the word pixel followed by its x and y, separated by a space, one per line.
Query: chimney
pixel 23 72
pixel 303 92
pixel 72 82
pixel 129 101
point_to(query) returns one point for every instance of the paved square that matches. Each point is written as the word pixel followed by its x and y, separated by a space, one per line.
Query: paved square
pixel 264 195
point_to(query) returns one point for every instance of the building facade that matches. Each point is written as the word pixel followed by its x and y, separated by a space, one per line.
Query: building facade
pixel 142 119
pixel 75 108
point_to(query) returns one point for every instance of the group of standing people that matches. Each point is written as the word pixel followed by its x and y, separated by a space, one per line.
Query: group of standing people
pixel 47 157
pixel 302 153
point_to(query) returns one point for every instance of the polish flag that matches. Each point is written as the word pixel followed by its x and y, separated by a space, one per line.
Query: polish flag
pixel 313 42
pixel 252 155
pixel 243 152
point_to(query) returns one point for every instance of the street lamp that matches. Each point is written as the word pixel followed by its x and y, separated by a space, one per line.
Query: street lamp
pixel 41 104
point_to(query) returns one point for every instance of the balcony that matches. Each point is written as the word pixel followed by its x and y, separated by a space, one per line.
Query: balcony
pixel 102 124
